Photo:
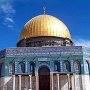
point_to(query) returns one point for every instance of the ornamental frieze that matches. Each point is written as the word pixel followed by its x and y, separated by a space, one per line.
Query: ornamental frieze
pixel 43 51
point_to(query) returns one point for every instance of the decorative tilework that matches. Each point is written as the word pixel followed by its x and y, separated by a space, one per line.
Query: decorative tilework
pixel 44 51
pixel 42 56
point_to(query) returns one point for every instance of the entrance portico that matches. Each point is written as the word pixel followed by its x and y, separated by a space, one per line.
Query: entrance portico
pixel 44 80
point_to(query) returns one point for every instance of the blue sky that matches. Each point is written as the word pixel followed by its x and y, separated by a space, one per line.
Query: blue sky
pixel 15 13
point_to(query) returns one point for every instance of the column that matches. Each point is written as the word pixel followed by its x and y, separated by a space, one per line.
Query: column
pixel 13 82
pixel 69 82
pixel 51 75
pixel 19 82
pixel 30 76
pixel 58 81
pixel 37 81
pixel 72 82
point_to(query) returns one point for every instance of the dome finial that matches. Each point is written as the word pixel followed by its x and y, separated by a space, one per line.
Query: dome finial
pixel 44 10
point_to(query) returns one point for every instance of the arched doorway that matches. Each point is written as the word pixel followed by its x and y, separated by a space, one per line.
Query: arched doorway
pixel 44 78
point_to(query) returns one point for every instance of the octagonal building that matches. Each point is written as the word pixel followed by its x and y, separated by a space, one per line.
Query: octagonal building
pixel 45 59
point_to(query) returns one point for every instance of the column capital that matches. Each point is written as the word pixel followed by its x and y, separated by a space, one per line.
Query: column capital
pixel 74 73
pixel 13 75
pixel 36 74
pixel 68 75
pixel 51 73
pixel 57 74
pixel 30 75
pixel 19 75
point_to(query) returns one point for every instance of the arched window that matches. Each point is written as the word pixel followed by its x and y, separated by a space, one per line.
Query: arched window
pixel 22 67
pixel 67 66
pixel 57 66
pixel 1 69
pixel 32 67
pixel 87 67
pixel 77 67
pixel 11 68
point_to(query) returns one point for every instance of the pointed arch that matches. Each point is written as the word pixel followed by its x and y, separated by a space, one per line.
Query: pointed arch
pixel 87 67
pixel 32 67
pixel 77 67
pixel 67 66
pixel 44 78
pixel 22 67
pixel 57 66
pixel 11 68
pixel 1 65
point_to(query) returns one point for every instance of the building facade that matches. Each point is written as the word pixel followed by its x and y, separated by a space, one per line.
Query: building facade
pixel 45 59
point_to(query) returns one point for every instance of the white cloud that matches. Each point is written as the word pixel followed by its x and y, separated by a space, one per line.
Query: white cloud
pixel 8 19
pixel 82 42
pixel 6 8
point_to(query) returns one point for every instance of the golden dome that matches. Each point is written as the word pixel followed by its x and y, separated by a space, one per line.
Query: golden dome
pixel 44 25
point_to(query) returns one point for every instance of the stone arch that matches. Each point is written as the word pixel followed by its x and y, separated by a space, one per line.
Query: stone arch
pixel 77 67
pixel 67 66
pixel 44 78
pixel 45 70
